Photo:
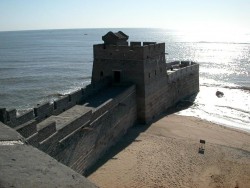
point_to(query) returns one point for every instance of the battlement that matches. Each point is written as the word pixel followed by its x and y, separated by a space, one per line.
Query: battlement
pixel 134 51
pixel 44 110
pixel 92 122
pixel 182 71
pixel 130 83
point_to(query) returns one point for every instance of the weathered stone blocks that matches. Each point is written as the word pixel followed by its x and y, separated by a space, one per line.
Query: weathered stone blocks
pixel 43 111
pixel 27 129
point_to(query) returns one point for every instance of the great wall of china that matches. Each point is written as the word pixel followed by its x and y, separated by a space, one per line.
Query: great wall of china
pixel 131 83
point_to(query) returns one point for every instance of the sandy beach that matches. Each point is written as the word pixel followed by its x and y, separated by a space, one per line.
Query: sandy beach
pixel 166 154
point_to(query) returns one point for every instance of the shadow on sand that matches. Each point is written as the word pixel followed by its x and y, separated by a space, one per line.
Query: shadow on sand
pixel 134 132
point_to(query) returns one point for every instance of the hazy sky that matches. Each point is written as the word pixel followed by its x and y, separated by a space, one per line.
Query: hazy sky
pixel 189 14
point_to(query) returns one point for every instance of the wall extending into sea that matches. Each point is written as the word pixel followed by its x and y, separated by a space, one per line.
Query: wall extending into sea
pixel 130 84
pixel 77 129
pixel 168 90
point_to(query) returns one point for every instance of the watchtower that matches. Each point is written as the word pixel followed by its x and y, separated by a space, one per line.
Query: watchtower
pixel 140 64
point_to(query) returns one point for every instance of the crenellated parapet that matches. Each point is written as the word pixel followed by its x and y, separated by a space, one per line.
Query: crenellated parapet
pixel 130 83
pixel 42 111
pixel 77 136
pixel 180 71
pixel 134 51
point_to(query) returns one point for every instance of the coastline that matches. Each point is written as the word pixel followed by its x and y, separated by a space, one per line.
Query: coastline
pixel 165 154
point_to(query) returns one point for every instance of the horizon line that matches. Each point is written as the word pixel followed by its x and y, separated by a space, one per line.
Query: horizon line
pixel 86 28
pixel 246 31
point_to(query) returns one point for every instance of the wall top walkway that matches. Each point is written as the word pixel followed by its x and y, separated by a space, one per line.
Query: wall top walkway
pixel 39 168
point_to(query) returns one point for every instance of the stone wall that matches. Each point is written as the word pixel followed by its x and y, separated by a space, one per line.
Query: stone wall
pixel 77 129
pixel 82 141
pixel 102 133
pixel 133 52
pixel 135 63
pixel 45 110
pixel 183 72
pixel 168 90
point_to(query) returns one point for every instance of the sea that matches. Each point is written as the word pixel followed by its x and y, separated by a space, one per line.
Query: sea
pixel 39 66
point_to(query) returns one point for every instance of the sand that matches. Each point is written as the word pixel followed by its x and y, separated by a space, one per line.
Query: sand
pixel 166 154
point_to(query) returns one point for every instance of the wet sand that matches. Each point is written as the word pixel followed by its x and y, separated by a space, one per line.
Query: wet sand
pixel 166 154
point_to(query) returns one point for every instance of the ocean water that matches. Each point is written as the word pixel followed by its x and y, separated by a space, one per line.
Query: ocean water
pixel 39 66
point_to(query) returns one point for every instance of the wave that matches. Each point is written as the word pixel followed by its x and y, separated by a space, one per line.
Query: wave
pixel 84 78
pixel 197 109
pixel 62 93
pixel 7 68
pixel 215 42
pixel 245 88
pixel 55 95
pixel 233 108
pixel 234 119
pixel 3 95
pixel 23 111
pixel 15 61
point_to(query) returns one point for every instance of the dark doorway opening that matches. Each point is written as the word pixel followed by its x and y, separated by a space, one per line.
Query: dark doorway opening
pixel 117 76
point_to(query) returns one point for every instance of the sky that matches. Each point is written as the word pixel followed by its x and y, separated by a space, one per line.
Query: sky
pixel 174 14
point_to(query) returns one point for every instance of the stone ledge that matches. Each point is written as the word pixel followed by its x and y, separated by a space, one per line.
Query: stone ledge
pixel 25 166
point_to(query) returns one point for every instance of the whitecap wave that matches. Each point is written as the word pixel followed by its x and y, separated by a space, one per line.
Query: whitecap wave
pixel 232 110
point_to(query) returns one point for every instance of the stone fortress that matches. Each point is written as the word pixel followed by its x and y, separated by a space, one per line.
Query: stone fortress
pixel 131 83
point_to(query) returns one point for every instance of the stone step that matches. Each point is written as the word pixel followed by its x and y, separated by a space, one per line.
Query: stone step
pixel 68 116
pixel 27 129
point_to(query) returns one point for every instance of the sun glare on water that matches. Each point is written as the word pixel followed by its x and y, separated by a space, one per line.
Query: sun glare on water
pixel 219 36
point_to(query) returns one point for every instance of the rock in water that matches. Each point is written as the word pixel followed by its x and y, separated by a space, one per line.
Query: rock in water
pixel 219 94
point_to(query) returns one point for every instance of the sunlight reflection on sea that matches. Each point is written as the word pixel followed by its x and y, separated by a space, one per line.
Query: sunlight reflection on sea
pixel 39 66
